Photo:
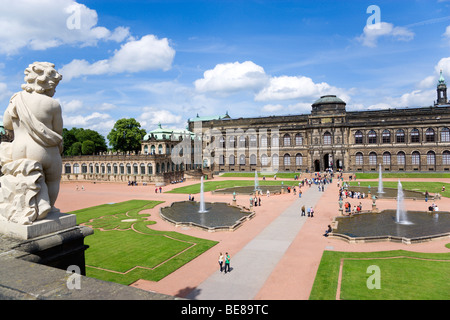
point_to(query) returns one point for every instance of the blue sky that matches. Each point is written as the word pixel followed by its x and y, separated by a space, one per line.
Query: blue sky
pixel 167 61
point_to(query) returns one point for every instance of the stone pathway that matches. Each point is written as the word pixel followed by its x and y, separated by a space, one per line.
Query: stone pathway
pixel 252 265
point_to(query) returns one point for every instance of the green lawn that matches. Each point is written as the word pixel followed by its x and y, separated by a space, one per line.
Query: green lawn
pixel 422 278
pixel 431 187
pixel 282 175
pixel 400 175
pixel 215 185
pixel 120 246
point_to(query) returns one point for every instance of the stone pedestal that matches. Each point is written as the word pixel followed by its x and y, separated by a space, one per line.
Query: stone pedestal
pixel 341 211
pixel 55 241
pixel 55 221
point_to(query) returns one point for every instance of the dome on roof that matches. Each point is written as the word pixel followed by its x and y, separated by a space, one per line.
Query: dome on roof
pixel 328 99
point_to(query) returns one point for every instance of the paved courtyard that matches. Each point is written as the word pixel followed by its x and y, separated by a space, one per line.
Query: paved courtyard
pixel 274 256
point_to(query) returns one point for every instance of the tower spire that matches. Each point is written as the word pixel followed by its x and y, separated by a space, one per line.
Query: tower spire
pixel 441 91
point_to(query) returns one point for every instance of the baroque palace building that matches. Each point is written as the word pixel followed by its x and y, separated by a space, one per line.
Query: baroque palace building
pixel 402 139
pixel 408 139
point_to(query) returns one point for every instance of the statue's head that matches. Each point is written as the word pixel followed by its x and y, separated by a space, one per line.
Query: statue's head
pixel 41 77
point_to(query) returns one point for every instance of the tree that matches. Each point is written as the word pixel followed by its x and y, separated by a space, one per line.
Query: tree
pixel 88 147
pixel 126 135
pixel 81 135
pixel 75 149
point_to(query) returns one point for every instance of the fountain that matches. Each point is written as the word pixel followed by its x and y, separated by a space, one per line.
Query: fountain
pixel 401 211
pixel 210 216
pixel 380 180
pixel 394 224
pixel 256 181
pixel 202 198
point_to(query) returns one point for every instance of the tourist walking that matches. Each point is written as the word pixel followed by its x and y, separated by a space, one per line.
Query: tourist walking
pixel 312 212
pixel 221 261
pixel 227 262
pixel 303 210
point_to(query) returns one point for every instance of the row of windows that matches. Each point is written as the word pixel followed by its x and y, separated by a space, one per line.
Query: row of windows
pixel 121 169
pixel 400 136
pixel 401 158
pixel 252 141
pixel 264 160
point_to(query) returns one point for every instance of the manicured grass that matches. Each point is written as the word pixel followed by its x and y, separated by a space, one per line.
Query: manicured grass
pixel 282 175
pixel 431 187
pixel 422 278
pixel 119 246
pixel 400 175
pixel 215 185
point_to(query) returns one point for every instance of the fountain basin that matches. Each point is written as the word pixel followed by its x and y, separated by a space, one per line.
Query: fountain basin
pixel 369 227
pixel 219 216
pixel 249 190
pixel 388 193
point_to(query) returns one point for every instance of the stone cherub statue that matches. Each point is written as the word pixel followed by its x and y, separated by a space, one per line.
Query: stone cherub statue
pixel 31 164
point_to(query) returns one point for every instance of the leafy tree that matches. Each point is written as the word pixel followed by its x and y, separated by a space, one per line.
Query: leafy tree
pixel 81 135
pixel 126 135
pixel 75 149
pixel 88 147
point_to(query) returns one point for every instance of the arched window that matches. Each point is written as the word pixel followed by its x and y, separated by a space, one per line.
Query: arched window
pixel 386 136
pixel 372 159
pixel 298 139
pixel 264 160
pixel 327 138
pixel 286 140
pixel 415 158
pixel 252 159
pixel 152 149
pixel 135 168
pixel 231 141
pixel 386 159
pixel 400 136
pixel 287 159
pixel 158 170
pixel 242 159
pixel 446 157
pixel 298 159
pixel 359 159
pixel 122 169
pixel 431 158
pixel 275 160
pixel 149 169
pixel 84 168
pixel 115 168
pixel 76 168
pixel 445 135
pixel 160 149
pixel 263 142
pixel 275 140
pixel 415 135
pixel 221 160
pixel 67 168
pixel 242 142
pixel 429 135
pixel 231 160
pixel 358 137
pixel 142 167
pixel 163 167
pixel 146 149
pixel 401 158
pixel 253 141
pixel 372 137
pixel 108 168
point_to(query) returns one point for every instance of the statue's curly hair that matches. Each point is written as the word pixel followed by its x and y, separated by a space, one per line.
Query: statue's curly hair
pixel 40 76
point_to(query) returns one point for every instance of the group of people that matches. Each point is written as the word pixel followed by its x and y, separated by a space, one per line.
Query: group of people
pixel 309 210
pixel 256 201
pixel 433 207
pixel 224 262
pixel 160 190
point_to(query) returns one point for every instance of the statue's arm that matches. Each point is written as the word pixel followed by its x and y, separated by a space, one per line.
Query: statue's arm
pixel 57 118
pixel 7 119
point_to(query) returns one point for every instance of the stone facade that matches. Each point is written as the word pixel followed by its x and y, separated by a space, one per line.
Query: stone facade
pixel 409 139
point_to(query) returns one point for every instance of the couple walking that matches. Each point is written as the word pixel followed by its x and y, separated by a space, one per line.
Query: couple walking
pixel 227 262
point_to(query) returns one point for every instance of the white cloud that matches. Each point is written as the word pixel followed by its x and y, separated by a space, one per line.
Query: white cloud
pixel 296 87
pixel 444 65
pixel 44 24
pixel 232 77
pixel 371 33
pixel 447 33
pixel 272 108
pixel 154 116
pixel 148 53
